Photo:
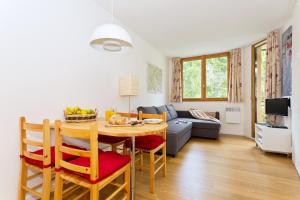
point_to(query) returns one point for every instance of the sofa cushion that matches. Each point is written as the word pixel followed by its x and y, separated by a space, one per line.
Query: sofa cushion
pixel 162 109
pixel 106 139
pixel 108 162
pixel 177 127
pixel 202 124
pixel 147 142
pixel 148 110
pixel 172 111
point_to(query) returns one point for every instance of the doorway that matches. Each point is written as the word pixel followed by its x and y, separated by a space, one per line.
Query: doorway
pixel 258 79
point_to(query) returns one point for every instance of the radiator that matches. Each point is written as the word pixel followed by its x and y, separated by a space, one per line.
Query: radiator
pixel 233 115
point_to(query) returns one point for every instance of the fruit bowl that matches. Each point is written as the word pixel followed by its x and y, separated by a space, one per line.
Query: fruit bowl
pixel 77 114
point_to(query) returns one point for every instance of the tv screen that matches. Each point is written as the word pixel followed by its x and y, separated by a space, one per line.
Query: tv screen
pixel 277 106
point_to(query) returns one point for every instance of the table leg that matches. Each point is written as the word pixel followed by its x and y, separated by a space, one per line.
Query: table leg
pixel 132 167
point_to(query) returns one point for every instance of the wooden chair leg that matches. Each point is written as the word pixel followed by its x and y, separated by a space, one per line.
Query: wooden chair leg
pixel 152 175
pixel 125 151
pixel 46 183
pixel 58 187
pixel 164 152
pixel 22 180
pixel 94 193
pixel 127 181
pixel 114 148
pixel 141 160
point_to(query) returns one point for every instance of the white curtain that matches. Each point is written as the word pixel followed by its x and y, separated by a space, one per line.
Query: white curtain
pixel 176 82
pixel 273 72
pixel 235 76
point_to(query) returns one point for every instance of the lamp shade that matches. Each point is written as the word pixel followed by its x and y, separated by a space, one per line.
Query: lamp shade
pixel 111 37
pixel 129 85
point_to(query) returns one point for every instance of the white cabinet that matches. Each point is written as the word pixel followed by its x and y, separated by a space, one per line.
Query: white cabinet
pixel 270 139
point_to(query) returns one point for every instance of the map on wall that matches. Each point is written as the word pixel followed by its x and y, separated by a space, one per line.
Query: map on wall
pixel 287 62
pixel 154 79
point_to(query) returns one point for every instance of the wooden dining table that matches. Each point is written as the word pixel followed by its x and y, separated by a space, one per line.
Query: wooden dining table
pixel 124 131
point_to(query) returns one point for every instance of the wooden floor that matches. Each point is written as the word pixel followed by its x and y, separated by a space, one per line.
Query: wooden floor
pixel 230 168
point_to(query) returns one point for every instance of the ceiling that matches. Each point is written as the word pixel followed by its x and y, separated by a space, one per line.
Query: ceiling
pixel 194 27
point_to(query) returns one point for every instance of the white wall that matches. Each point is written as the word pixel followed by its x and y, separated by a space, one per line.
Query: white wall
pixel 247 90
pixel 46 64
pixel 295 87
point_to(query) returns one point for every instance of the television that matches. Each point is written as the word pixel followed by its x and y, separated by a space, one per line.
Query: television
pixel 277 106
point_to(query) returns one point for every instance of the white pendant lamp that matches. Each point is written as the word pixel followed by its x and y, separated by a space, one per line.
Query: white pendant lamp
pixel 111 37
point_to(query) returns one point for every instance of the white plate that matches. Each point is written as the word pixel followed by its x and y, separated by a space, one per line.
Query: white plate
pixel 153 121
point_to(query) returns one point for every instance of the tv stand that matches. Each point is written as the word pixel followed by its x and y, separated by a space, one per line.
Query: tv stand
pixel 276 126
pixel 273 139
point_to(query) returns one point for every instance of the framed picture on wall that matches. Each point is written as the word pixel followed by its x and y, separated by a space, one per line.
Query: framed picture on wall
pixel 154 79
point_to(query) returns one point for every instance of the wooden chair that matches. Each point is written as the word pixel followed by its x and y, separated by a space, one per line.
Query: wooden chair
pixel 38 161
pixel 116 143
pixel 41 161
pixel 93 169
pixel 152 144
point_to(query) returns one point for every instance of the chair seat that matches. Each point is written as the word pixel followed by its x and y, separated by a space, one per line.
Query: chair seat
pixel 109 162
pixel 110 139
pixel 40 164
pixel 148 142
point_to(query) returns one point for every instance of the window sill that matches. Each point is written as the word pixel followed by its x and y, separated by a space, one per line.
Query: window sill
pixel 204 99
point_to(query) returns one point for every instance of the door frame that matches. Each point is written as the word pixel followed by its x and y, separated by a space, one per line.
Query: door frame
pixel 253 111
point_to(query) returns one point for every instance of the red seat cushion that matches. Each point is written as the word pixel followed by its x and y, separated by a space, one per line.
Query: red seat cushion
pixel 110 140
pixel 147 142
pixel 109 162
pixel 40 164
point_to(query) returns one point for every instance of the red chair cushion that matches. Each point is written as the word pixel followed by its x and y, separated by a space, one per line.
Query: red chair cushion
pixel 110 140
pixel 148 142
pixel 108 161
pixel 40 164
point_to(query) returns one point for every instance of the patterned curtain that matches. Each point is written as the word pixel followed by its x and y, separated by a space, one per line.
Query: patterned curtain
pixel 176 88
pixel 235 76
pixel 273 72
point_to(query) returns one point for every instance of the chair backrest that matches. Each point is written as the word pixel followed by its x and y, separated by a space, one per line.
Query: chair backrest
pixel 88 132
pixel 162 116
pixel 130 115
pixel 43 129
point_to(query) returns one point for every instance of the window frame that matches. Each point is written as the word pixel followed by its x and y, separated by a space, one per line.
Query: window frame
pixel 203 59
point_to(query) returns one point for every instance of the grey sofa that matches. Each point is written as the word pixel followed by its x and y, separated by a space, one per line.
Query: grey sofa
pixel 182 126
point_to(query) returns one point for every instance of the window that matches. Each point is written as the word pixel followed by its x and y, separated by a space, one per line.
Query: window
pixel 205 78
pixel 192 79
pixel 260 56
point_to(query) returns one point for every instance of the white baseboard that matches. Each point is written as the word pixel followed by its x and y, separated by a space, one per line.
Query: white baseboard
pixel 297 166
pixel 231 133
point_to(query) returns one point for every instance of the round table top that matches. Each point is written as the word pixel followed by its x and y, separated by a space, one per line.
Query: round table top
pixel 122 131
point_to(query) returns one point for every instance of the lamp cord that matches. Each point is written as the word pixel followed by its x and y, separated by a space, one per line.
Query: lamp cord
pixel 112 11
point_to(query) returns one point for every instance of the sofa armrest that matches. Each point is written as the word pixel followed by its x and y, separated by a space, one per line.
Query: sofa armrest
pixel 214 114
pixel 217 115
pixel 187 114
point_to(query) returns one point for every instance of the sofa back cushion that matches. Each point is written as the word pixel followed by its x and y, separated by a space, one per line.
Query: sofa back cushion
pixel 148 110
pixel 162 109
pixel 172 111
